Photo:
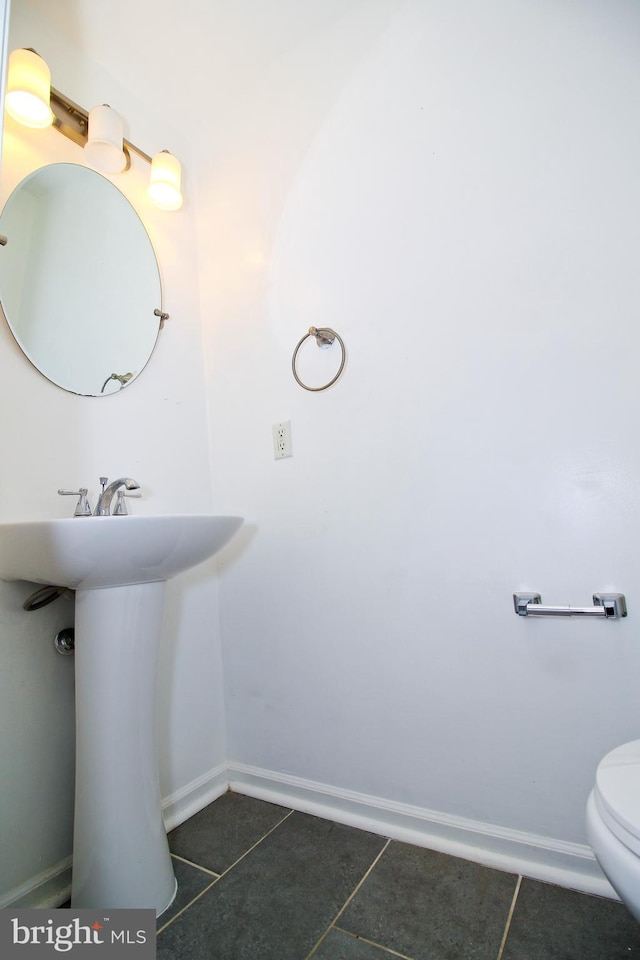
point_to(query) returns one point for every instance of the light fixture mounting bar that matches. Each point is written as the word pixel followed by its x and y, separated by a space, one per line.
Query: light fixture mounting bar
pixel 72 121
pixel 69 119
pixel 128 146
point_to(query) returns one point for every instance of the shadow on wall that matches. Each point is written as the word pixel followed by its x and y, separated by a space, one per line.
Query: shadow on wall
pixel 37 743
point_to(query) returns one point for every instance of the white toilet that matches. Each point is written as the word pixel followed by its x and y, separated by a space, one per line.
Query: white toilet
pixel 613 822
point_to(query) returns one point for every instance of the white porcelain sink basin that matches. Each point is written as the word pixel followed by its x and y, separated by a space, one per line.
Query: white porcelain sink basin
pixel 93 552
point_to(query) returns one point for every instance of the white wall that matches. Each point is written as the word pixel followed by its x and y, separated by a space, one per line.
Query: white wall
pixel 156 431
pixel 465 212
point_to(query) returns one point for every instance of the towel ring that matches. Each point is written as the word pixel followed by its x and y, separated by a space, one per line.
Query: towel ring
pixel 325 336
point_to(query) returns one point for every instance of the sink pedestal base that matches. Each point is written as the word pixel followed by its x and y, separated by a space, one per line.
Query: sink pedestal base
pixel 120 850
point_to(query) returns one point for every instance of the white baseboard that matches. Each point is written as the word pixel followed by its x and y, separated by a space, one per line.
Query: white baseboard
pixel 193 797
pixel 568 865
pixel 46 890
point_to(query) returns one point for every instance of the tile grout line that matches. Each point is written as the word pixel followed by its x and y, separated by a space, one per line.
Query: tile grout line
pixel 373 943
pixel 196 866
pixel 221 875
pixel 347 902
pixel 507 925
pixel 186 907
pixel 256 844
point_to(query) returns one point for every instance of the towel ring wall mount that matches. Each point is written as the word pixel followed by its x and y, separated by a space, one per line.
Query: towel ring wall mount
pixel 325 337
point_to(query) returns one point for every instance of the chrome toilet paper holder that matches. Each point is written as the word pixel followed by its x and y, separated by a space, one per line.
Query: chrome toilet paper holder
pixel 608 606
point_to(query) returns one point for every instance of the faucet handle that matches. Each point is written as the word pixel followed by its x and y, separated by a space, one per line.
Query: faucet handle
pixel 83 507
pixel 121 507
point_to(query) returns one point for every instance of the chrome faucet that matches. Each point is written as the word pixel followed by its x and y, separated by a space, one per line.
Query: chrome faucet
pixel 103 506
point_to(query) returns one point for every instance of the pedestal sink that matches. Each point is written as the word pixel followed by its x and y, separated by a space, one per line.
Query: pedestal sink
pixel 118 567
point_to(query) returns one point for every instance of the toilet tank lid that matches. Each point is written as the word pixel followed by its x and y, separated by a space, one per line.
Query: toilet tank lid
pixel 618 785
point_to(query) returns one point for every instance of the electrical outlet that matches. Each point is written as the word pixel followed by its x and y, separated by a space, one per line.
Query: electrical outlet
pixel 282 440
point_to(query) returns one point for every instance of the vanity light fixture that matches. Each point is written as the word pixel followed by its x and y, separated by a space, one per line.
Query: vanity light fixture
pixel 164 181
pixel 28 86
pixel 103 149
pixel 99 132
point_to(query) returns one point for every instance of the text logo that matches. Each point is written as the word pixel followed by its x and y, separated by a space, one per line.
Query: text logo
pixel 99 934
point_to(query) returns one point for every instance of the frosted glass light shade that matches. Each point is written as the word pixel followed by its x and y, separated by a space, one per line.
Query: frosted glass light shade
pixel 165 180
pixel 29 89
pixel 103 149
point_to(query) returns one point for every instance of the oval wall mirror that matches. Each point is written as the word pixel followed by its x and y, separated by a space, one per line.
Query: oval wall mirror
pixel 79 280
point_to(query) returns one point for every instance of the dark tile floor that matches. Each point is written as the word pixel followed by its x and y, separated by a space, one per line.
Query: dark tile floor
pixel 261 882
